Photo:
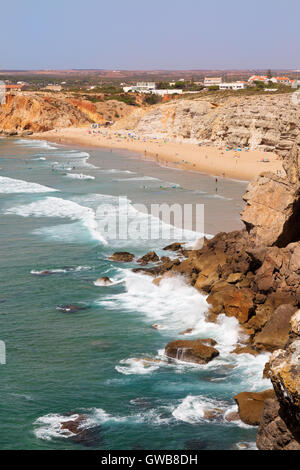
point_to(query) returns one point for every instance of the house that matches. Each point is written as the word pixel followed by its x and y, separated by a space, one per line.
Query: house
pixel 281 80
pixel 177 91
pixel 258 78
pixel 233 86
pixel 140 87
pixel 14 87
pixel 212 81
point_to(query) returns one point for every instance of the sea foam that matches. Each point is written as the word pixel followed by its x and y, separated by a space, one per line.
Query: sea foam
pixel 11 185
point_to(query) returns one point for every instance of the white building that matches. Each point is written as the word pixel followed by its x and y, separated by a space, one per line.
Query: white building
pixel 167 92
pixel 212 81
pixel 233 86
pixel 141 87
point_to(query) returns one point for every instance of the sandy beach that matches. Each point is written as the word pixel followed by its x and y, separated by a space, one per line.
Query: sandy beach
pixel 238 164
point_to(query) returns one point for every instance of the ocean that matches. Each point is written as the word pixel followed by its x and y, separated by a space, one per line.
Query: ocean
pixel 106 361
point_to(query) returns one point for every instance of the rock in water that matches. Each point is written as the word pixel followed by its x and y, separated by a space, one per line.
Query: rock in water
pixel 103 282
pixel 196 351
pixel 174 247
pixel 251 405
pixel 87 435
pixel 70 308
pixel 150 257
pixel 122 256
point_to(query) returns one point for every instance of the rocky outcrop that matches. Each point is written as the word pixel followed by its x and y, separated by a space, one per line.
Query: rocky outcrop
pixel 122 256
pixel 280 424
pixel 251 405
pixel 33 112
pixel 81 431
pixel 199 351
pixel 272 211
pixel 150 257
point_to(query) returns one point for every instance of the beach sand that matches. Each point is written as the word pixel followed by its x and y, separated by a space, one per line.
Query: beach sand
pixel 242 165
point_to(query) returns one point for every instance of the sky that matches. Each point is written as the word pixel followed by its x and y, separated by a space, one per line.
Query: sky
pixel 149 34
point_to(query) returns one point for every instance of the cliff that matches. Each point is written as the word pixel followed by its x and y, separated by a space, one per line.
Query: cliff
pixel 24 113
pixel 262 122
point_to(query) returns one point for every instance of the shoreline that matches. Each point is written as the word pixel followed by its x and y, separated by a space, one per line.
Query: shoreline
pixel 218 162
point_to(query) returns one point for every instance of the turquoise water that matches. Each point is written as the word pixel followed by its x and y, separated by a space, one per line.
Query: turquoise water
pixel 93 361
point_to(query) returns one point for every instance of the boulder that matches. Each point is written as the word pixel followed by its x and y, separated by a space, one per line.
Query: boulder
pixel 173 247
pixel 122 256
pixel 233 301
pixel 150 257
pixel 82 432
pixel 232 416
pixel 275 333
pixel 196 351
pixel 251 405
pixel 103 282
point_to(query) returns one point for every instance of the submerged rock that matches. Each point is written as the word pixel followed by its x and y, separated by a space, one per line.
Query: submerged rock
pixel 196 351
pixel 122 256
pixel 70 308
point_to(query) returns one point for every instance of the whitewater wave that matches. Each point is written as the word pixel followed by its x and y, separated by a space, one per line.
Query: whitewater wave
pixel 56 207
pixel 138 178
pixel 79 176
pixel 35 143
pixel 11 185
pixel 176 306
pixel 60 270
pixel 194 409
pixel 139 366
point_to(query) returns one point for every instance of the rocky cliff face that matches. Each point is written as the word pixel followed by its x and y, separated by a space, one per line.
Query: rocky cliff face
pixel 260 122
pixel 32 112
pixel 272 212
pixel 279 427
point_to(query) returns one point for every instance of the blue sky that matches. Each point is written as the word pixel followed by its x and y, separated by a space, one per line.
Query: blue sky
pixel 153 34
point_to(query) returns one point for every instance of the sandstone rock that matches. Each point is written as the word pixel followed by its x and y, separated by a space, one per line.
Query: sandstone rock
pixel 233 278
pixel 233 301
pixel 173 247
pixel 191 351
pixel 245 350
pixel 272 208
pixel 232 416
pixel 274 334
pixel 273 432
pixel 103 281
pixel 83 433
pixel 251 405
pixel 38 113
pixel 187 331
pixel 122 256
pixel 150 257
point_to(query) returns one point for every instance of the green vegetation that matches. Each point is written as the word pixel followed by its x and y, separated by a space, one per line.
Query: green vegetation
pixel 153 99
